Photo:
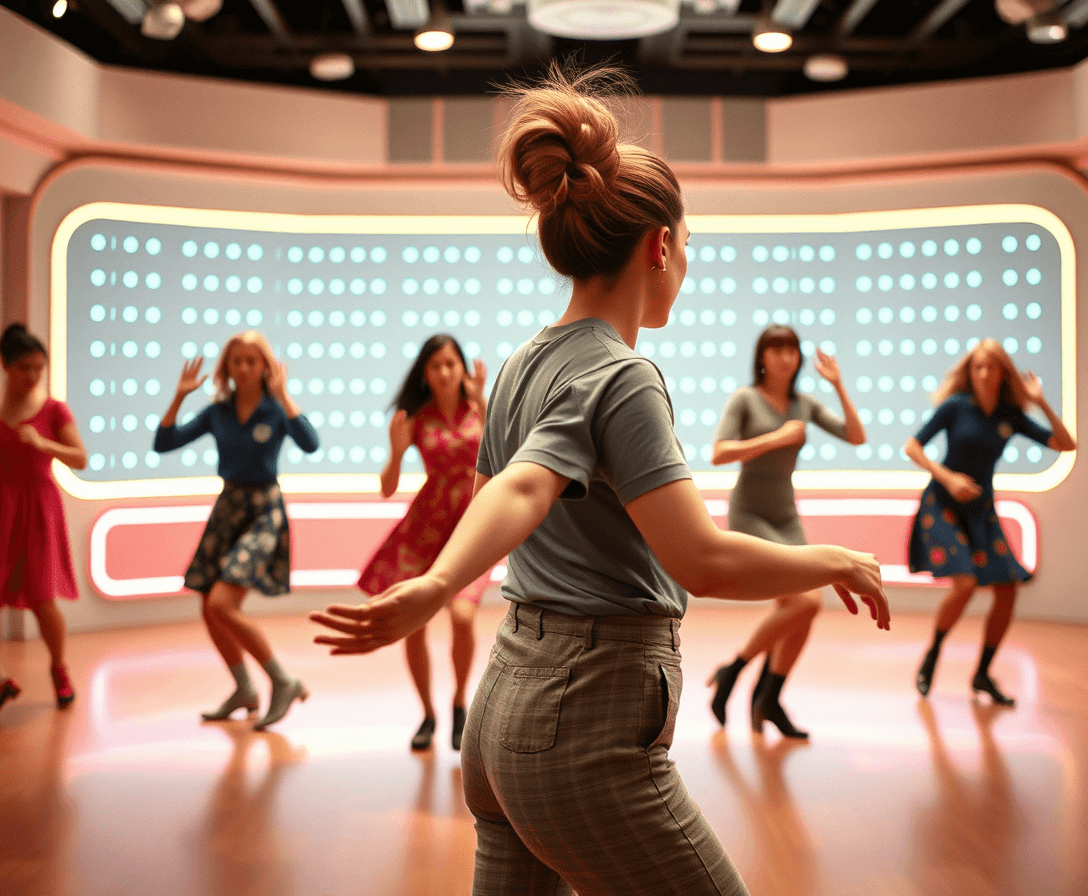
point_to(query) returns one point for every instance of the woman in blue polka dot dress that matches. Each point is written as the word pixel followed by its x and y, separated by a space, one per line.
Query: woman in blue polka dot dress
pixel 956 532
pixel 246 543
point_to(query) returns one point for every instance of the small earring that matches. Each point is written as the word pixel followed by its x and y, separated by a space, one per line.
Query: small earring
pixel 656 268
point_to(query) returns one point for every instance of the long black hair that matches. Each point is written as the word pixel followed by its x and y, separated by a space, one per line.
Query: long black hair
pixel 17 343
pixel 414 392
pixel 775 335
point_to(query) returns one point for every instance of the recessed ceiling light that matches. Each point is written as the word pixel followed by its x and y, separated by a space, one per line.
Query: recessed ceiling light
pixel 60 8
pixel 1047 28
pixel 163 20
pixel 437 34
pixel 332 66
pixel 826 67
pixel 604 19
pixel 771 37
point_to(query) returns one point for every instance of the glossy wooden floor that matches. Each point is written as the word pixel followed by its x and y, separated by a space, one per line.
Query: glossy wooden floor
pixel 126 793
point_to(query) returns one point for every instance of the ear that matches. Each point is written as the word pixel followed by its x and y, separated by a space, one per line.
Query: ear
pixel 657 247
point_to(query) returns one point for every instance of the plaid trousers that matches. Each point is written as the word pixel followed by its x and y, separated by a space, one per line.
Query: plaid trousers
pixel 566 769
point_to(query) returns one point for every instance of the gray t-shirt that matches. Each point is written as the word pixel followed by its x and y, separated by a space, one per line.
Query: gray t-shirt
pixel 762 502
pixel 578 401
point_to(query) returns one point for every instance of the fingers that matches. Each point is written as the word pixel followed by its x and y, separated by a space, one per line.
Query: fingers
pixel 847 598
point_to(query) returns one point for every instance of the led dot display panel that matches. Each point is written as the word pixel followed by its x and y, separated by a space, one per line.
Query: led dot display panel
pixel 346 303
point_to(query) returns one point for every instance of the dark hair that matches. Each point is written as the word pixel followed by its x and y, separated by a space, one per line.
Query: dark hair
pixel 414 392
pixel 775 335
pixel 17 342
pixel 596 197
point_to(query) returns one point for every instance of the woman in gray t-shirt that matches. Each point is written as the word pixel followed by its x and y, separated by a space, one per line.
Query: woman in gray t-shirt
pixel 580 480
pixel 764 428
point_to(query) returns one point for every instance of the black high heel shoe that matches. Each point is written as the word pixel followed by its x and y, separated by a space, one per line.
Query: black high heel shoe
pixel 458 727
pixel 421 740
pixel 924 679
pixel 765 707
pixel 983 682
pixel 723 679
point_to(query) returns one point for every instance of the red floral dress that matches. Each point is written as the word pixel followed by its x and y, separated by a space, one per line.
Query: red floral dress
pixel 32 516
pixel 449 450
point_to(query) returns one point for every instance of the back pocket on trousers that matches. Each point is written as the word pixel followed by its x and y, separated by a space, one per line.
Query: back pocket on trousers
pixel 530 706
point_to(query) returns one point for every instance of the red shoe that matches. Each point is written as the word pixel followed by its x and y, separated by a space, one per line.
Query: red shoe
pixel 63 687
pixel 8 690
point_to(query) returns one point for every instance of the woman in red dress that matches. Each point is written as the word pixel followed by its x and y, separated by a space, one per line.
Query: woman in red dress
pixel 439 409
pixel 35 560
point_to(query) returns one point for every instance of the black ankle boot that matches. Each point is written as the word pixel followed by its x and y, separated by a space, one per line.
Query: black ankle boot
pixel 723 679
pixel 421 740
pixel 983 682
pixel 757 709
pixel 924 679
pixel 765 706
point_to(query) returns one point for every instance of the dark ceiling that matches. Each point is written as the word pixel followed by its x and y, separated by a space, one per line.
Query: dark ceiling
pixel 885 42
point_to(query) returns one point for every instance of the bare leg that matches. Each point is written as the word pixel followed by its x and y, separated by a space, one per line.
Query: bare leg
pixel 225 605
pixel 419 664
pixel 997 623
pixel 802 609
pixel 51 625
pixel 791 617
pixel 948 613
pixel 462 620
pixel 224 641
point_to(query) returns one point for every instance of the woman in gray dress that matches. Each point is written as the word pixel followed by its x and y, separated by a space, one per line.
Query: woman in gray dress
pixel 764 428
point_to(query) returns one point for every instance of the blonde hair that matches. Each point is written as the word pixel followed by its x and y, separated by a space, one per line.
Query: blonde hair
pixel 561 156
pixel 958 378
pixel 221 378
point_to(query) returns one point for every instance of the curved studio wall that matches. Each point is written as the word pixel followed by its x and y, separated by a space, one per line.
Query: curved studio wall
pixel 775 232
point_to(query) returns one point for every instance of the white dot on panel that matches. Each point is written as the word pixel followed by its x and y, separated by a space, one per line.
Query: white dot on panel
pixel 295 318
pixel 907 282
pixel 885 452
pixel 377 350
pixel 358 350
pixel 781 317
pixel 545 318
pixel 973 245
pixel 254 284
pixel 971 343
pixel 687 417
pixel 98 242
pixel 929 280
pixel 336 387
pixel 687 349
pixel 97 423
pixel 211 350
pixel 885 251
pixel 807 384
pixel 885 383
pixel 806 253
pixel 688 384
pixel 760 254
pixel 808 452
pixel 779 253
pixel 526 254
pixel 294 386
pixel 188 350
pixel 807 285
pixel 707 253
pixel 97 348
pixel 781 285
pixel 315 318
pixel 409 318
pixel 1010 454
pixel 130 349
pixel 828 347
pixel 1033 242
pixel 863 452
pixel 929 383
pixel 98 277
pixel 863 284
pixel 727 349
pixel 828 451
pixel 233 283
pixel 728 253
pixel 505 254
pixel 709 386
pixel 294 454
pixel 129 423
pixel 1010 311
pixel 807 348
pixel 827 253
pixel 189 316
pixel 951 313
pixel 129 460
pixel 951 247
pixel 1033 276
pixel 254 252
pixel 525 286
pixel 951 347
pixel 864 384
pixel 667 349
pixel 295 254
pixel 885 315
pixel 806 316
pixel 294 351
pixel 1010 244
pixel 211 316
pixel 1034 453
pixel 863 316
pixel 130 279
pixel 294 286
pixel 1010 344
pixel 885 347
pixel 189 248
pixel 728 317
pixel 708 349
pixel 728 385
pixel 864 348
pixel 315 350
pixel 906 347
pixel 688 286
pixel 377 419
pixel 760 317
pixel 907 249
pixel 907 383
pixel 827 317
pixel 377 318
pixel 1010 277
pixel 130 387
pixel 526 318
pixel 707 317
pixel 864 251
pixel 316 386
pixel 153 349
pixel 1034 345
pixel 152 387
pixel 646 349
pixel 929 248
pixel 827 285
pixel 951 280
pixel 708 285
pixel 907 417
pixel 357 387
pixel 760 285
pixel 316 286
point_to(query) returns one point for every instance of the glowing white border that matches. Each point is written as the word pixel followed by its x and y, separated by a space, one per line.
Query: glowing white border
pixel 323 483
pixel 150 586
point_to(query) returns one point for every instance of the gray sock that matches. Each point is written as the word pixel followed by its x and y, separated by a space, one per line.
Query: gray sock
pixel 275 671
pixel 241 678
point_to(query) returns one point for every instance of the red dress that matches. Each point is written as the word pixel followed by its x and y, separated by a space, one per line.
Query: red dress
pixel 32 515
pixel 449 452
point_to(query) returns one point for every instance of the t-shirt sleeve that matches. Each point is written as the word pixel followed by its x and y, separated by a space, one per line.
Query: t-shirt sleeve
pixel 731 426
pixel 941 419
pixel 167 438
pixel 61 416
pixel 1034 430
pixel 825 418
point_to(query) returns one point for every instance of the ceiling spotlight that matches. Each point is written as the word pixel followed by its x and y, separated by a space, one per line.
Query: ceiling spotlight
pixel 60 8
pixel 163 20
pixel 826 67
pixel 604 19
pixel 200 10
pixel 771 37
pixel 437 34
pixel 1047 28
pixel 332 66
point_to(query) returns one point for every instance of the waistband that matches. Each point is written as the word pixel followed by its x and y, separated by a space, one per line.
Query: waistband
pixel 661 631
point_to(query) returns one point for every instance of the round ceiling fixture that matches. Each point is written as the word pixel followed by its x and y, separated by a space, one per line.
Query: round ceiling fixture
pixel 437 34
pixel 1047 28
pixel 163 20
pixel 770 37
pixel 826 67
pixel 604 19
pixel 332 66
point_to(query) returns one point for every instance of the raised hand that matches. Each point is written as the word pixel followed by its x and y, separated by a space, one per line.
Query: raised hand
pixel 475 384
pixel 190 379
pixel 400 432
pixel 1032 386
pixel 276 381
pixel 828 367
pixel 863 579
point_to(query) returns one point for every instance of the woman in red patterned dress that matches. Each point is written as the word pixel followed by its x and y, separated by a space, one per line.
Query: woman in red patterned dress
pixel 35 559
pixel 439 409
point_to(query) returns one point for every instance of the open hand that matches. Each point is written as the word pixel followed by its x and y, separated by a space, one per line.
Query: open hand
pixel 474 384
pixel 828 367
pixel 863 580
pixel 1032 386
pixel 962 487
pixel 276 381
pixel 396 612
pixel 400 432
pixel 190 379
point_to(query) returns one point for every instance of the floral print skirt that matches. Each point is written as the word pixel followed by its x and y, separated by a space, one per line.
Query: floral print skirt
pixel 949 538
pixel 246 542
